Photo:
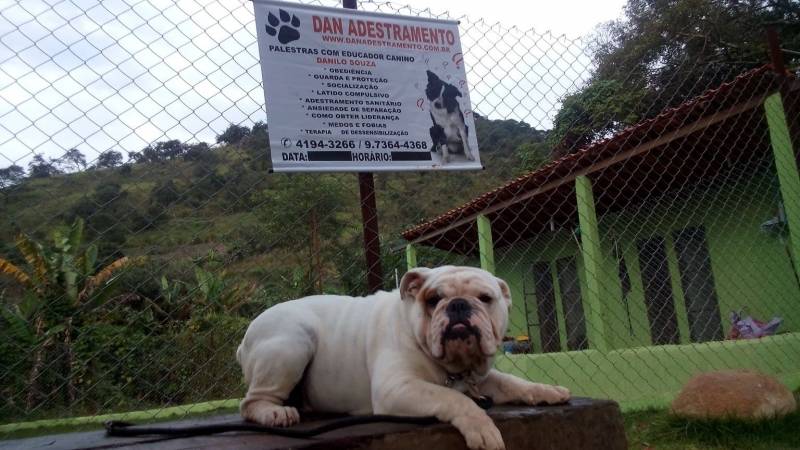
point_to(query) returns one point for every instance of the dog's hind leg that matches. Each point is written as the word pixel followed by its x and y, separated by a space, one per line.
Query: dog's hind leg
pixel 272 368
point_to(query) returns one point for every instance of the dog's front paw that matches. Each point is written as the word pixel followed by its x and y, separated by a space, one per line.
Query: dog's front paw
pixel 479 432
pixel 537 394
pixel 272 415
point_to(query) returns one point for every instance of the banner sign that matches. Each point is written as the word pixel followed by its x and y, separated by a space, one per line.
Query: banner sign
pixel 350 90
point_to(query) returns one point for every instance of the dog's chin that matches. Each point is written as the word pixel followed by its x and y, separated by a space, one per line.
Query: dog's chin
pixel 459 347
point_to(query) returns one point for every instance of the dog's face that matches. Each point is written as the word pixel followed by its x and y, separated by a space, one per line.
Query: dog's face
pixel 440 94
pixel 458 314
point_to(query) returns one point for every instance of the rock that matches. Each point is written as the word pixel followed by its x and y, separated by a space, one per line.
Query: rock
pixel 741 394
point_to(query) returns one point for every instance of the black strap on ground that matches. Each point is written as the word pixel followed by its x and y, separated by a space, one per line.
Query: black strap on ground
pixel 119 428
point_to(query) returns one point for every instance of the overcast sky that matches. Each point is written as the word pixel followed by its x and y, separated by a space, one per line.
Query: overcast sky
pixel 122 74
pixel 570 17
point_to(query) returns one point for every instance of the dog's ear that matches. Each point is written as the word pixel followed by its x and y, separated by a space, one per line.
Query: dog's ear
pixel 451 91
pixel 505 290
pixel 434 87
pixel 412 282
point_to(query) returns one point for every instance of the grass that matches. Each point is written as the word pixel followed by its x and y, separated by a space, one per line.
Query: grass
pixel 657 430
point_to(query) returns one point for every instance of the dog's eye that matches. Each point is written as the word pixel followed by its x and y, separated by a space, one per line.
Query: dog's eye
pixel 433 300
pixel 485 298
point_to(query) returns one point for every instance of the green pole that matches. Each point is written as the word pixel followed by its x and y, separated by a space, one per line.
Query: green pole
pixel 485 245
pixel 592 262
pixel 411 256
pixel 786 166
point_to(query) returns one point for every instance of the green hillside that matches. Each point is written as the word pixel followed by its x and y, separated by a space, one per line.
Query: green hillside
pixel 226 201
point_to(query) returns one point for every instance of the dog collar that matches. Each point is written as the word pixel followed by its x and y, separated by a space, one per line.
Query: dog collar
pixel 482 401
pixel 451 379
pixel 465 377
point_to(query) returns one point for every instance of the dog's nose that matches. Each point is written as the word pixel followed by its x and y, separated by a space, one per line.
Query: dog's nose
pixel 458 306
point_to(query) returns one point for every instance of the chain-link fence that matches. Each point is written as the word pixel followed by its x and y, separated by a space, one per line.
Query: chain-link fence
pixel 645 196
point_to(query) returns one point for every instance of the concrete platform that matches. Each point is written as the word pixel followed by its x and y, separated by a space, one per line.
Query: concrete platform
pixel 581 424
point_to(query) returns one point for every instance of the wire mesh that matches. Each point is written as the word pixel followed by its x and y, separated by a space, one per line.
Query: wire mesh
pixel 141 228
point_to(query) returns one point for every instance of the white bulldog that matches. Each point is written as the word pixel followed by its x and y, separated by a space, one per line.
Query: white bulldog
pixel 415 351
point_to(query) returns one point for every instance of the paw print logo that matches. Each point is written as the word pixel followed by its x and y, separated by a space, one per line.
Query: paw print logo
pixel 285 27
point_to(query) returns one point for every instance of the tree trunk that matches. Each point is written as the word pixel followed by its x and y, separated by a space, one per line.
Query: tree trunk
pixel 38 362
pixel 71 390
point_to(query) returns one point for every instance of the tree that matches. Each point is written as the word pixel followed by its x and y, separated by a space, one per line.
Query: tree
pixel 136 157
pixel 665 52
pixel 72 161
pixel 597 111
pixel 198 152
pixel 40 168
pixel 109 159
pixel 170 149
pixel 256 144
pixel 59 283
pixel 532 156
pixel 260 127
pixel 233 134
pixel 159 152
pixel 11 175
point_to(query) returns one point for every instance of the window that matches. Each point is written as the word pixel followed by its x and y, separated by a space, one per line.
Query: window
pixel 574 318
pixel 546 307
pixel 625 284
pixel 658 291
pixel 697 281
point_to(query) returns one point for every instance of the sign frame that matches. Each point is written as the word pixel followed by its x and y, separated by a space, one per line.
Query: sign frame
pixel 440 156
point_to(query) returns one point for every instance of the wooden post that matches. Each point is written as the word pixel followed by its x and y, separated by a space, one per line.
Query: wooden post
pixel 775 54
pixel 786 166
pixel 372 243
pixel 411 256
pixel 369 215
pixel 316 250
pixel 485 244
pixel 592 253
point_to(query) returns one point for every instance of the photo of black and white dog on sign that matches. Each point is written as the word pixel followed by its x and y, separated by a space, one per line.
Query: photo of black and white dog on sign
pixel 449 132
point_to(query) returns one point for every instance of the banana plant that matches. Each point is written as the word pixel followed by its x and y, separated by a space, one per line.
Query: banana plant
pixel 59 280
pixel 216 294
pixel 19 320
